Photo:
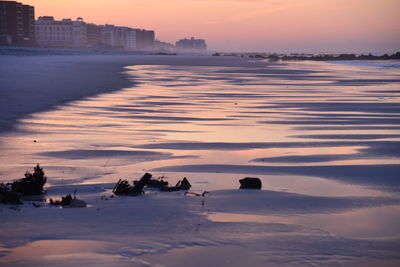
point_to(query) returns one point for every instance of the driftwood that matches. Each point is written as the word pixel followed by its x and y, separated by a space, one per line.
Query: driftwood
pixel 124 188
pixel 185 185
pixel 181 185
pixel 138 187
pixel 157 183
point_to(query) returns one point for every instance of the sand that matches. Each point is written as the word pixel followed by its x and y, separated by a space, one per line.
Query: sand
pixel 36 83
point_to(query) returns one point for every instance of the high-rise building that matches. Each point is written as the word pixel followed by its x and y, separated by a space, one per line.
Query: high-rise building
pixel 118 37
pixel 93 34
pixel 62 33
pixel 17 22
pixel 145 39
pixel 18 27
pixel 191 44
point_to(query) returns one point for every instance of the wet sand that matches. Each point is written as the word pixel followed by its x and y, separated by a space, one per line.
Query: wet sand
pixel 322 138
pixel 32 84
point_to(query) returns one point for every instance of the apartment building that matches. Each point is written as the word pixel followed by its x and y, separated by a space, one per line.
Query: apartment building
pixel 61 33
pixel 191 44
pixel 145 39
pixel 17 24
pixel 123 38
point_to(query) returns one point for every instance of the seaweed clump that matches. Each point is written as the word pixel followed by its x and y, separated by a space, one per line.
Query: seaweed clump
pixel 32 184
pixel 65 201
pixel 7 196
pixel 69 201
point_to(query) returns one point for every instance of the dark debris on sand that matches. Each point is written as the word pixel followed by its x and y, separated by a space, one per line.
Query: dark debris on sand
pixel 32 184
pixel 124 188
pixel 69 201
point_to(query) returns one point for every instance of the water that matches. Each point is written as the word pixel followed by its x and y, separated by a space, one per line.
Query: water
pixel 381 64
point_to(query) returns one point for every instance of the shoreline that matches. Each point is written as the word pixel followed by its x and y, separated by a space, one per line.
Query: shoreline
pixel 90 75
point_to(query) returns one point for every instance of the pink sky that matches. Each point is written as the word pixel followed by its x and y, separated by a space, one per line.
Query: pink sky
pixel 249 25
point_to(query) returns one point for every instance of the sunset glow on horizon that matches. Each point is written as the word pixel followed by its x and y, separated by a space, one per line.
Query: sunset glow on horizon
pixel 249 25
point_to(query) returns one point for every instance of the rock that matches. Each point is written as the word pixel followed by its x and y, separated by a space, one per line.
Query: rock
pixel 250 183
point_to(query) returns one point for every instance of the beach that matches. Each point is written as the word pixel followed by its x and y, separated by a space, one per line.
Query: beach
pixel 322 137
pixel 38 82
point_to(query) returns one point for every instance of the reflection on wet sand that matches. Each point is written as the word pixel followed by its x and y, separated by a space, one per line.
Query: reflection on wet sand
pixel 324 139
pixel 177 116
pixel 368 223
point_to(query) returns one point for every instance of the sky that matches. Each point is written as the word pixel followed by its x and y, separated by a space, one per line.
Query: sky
pixel 316 26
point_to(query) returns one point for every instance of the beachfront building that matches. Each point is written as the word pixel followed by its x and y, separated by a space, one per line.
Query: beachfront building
pixel 17 22
pixel 118 37
pixel 93 35
pixel 63 33
pixel 145 39
pixel 18 27
pixel 191 44
pixel 163 46
pixel 123 38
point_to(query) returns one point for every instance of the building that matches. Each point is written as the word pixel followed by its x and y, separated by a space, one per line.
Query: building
pixel 18 27
pixel 131 40
pixel 145 39
pixel 191 44
pixel 17 24
pixel 163 46
pixel 63 33
pixel 123 38
pixel 93 35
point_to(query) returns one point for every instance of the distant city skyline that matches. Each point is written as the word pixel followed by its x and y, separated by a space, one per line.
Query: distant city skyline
pixel 317 26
